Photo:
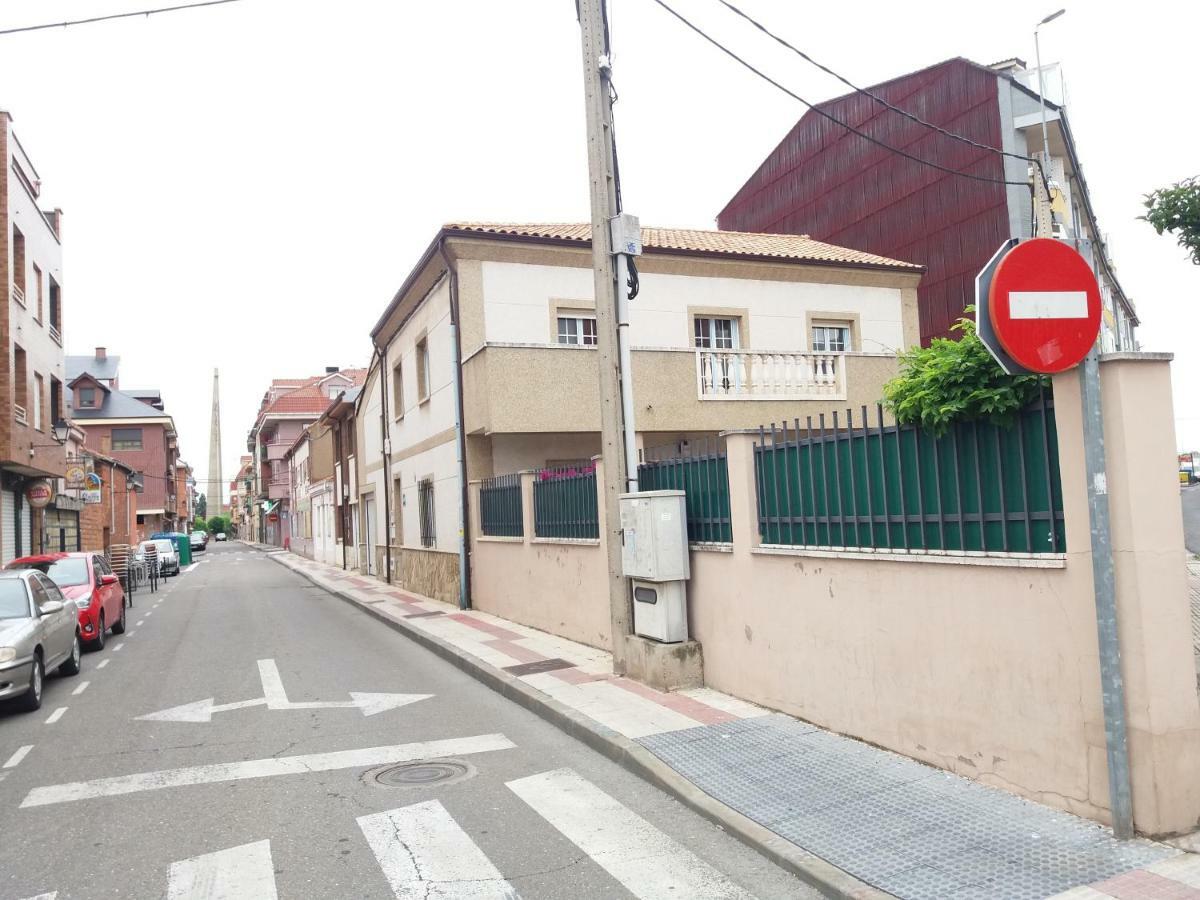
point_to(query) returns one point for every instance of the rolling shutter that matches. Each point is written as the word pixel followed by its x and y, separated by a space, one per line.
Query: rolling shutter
pixel 26 547
pixel 8 527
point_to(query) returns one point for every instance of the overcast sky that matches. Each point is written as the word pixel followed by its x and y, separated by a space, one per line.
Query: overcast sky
pixel 245 186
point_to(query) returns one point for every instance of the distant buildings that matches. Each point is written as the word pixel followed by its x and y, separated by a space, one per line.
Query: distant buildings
pixel 824 181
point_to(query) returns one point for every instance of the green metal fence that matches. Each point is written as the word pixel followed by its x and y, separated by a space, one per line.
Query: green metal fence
pixel 500 512
pixel 700 472
pixel 564 504
pixel 979 487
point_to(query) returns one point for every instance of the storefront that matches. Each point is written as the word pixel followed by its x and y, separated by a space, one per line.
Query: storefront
pixel 16 519
pixel 60 526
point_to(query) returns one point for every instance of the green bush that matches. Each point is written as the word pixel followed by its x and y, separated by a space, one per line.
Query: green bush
pixel 956 381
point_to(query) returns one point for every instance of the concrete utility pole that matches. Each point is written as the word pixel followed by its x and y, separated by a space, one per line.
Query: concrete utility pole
pixel 214 490
pixel 597 93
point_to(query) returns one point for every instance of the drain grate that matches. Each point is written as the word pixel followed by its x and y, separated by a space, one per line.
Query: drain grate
pixel 425 773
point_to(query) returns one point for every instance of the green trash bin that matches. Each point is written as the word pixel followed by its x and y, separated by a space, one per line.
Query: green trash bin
pixel 184 545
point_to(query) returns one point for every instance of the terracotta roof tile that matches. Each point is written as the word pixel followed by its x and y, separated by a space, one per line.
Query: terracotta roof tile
pixel 799 248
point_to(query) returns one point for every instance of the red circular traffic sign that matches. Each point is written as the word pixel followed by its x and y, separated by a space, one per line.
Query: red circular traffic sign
pixel 1045 306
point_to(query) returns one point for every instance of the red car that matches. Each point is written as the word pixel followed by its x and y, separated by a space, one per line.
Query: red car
pixel 88 580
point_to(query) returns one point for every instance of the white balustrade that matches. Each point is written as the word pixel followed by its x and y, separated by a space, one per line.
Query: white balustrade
pixel 755 375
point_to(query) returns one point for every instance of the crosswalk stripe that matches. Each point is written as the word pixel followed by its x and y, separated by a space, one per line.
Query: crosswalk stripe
pixel 239 873
pixel 651 865
pixel 423 852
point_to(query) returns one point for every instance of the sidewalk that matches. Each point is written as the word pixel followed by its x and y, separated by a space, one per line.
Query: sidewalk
pixel 854 820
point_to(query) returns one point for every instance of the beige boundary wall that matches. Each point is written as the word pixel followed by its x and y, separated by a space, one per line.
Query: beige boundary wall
pixel 987 666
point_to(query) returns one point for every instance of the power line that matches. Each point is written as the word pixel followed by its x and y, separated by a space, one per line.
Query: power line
pixel 124 15
pixel 826 115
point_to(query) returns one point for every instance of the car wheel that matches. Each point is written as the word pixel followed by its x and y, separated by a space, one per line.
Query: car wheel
pixel 119 625
pixel 98 640
pixel 72 665
pixel 31 701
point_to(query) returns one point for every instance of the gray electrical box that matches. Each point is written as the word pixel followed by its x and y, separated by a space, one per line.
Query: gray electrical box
pixel 654 536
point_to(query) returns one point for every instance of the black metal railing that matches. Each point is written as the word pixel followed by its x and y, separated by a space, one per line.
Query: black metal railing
pixel 564 504
pixel 500 509
pixel 698 468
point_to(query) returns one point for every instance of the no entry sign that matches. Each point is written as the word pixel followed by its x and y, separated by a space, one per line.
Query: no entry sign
pixel 1042 305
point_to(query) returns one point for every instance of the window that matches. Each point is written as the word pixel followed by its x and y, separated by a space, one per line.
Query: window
pixel 87 398
pixel 425 507
pixel 127 439
pixel 39 385
pixel 577 330
pixel 20 383
pixel 716 333
pixel 831 338
pixel 55 307
pixel 422 370
pixel 37 292
pixel 55 400
pixel 398 513
pixel 398 390
pixel 18 265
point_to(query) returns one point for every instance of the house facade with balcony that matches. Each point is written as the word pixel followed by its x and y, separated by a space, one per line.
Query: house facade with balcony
pixel 32 379
pixel 486 363
pixel 288 407
pixel 828 182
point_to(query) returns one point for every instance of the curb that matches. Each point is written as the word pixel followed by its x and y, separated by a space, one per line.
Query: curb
pixel 814 871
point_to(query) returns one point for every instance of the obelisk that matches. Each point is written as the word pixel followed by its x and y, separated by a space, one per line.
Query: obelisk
pixel 215 488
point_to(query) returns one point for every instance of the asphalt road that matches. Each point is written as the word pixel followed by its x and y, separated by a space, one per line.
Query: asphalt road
pixel 274 795
pixel 1191 517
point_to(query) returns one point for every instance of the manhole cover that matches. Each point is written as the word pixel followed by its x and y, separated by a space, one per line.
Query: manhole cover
pixel 421 774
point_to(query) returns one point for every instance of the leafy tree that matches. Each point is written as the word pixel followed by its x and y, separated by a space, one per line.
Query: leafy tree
pixel 956 381
pixel 199 524
pixel 218 524
pixel 1177 209
pixel 201 506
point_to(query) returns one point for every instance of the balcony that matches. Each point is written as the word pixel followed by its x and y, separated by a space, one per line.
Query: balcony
pixel 19 414
pixel 750 375
pixel 18 293
pixel 55 334
pixel 551 388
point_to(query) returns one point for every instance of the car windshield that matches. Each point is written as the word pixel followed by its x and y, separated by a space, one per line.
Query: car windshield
pixel 14 601
pixel 64 572
pixel 164 546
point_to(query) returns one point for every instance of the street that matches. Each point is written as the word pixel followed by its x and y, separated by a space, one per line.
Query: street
pixel 1190 497
pixel 227 747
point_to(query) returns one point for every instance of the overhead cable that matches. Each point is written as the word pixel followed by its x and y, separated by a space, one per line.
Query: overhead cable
pixel 124 15
pixel 829 116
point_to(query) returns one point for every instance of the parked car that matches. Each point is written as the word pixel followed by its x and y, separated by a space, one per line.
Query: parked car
pixel 87 580
pixel 221 537
pixel 39 630
pixel 198 540
pixel 168 555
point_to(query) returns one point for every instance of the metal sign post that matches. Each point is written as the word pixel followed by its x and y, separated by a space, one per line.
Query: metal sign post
pixel 1012 331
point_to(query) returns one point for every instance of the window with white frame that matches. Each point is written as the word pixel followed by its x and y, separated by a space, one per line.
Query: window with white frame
pixel 577 329
pixel 716 333
pixel 831 337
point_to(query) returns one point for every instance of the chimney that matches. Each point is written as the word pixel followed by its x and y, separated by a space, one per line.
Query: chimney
pixel 101 353
pixel 329 370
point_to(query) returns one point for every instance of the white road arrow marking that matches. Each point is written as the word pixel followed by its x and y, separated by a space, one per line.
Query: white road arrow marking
pixel 239 873
pixel 424 853
pixel 1047 304
pixel 275 698
pixel 263 768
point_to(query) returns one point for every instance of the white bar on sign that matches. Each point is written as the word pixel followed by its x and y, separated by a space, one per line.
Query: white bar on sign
pixel 1047 304
pixel 239 873
pixel 651 864
pixel 424 853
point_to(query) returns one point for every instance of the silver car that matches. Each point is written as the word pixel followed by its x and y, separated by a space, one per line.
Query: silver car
pixel 168 555
pixel 39 630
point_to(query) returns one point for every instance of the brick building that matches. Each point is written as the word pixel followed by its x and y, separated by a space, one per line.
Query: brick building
pixel 31 380
pixel 113 520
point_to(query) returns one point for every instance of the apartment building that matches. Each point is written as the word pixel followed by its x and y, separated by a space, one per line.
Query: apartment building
pixel 338 543
pixel 485 364
pixel 110 511
pixel 827 182
pixel 287 408
pixel 31 383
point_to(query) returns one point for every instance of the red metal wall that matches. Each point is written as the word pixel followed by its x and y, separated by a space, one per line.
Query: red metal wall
pixel 835 186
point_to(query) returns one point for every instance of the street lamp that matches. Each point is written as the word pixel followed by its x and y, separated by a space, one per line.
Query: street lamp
pixel 61 431
pixel 1042 84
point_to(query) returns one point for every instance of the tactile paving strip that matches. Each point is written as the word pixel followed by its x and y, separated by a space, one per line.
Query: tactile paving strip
pixel 914 831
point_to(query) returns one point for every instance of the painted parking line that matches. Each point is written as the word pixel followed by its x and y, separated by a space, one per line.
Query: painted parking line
pixel 423 852
pixel 118 648
pixel 138 623
pixel 239 873
pixel 50 896
pixel 56 715
pixel 651 865
pixel 15 759
pixel 102 664
pixel 83 685
pixel 263 768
